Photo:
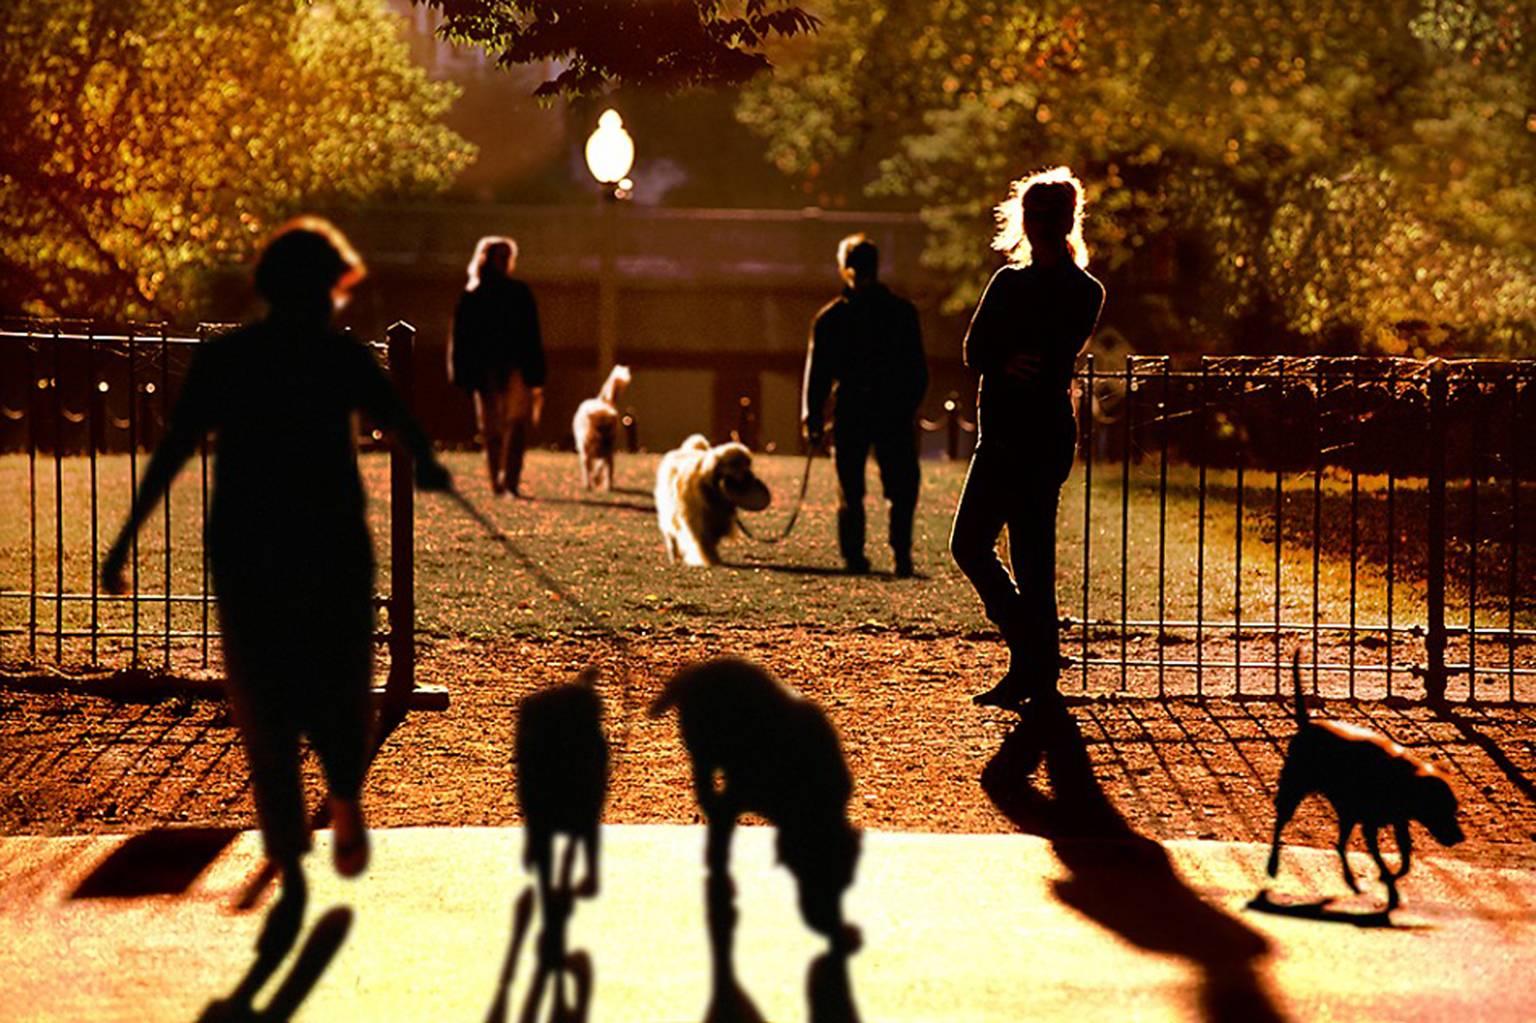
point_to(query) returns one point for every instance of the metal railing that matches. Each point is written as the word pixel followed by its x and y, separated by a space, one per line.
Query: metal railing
pixel 72 391
pixel 1363 514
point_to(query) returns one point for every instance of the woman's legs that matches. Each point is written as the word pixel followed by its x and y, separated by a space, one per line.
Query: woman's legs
pixel 979 518
pixel 490 418
pixel 337 721
pixel 1032 551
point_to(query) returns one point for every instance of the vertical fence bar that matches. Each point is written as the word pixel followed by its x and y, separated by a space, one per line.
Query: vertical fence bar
pixel 1125 519
pixel 1392 450
pixel 133 487
pixel 1516 444
pixel 1237 537
pixel 1205 432
pixel 165 418
pixel 1317 514
pixel 1279 514
pixel 55 384
pixel 1088 512
pixel 1162 528
pixel 34 384
pixel 402 524
pixel 1354 512
pixel 1474 470
pixel 1434 641
pixel 93 411
pixel 202 514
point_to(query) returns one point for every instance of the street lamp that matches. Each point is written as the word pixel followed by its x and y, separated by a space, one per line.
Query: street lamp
pixel 610 155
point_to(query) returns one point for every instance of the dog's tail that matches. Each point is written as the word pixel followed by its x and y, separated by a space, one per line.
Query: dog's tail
pixel 617 379
pixel 1302 717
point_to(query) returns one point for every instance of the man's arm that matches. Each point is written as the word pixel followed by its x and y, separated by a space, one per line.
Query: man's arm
pixel 819 378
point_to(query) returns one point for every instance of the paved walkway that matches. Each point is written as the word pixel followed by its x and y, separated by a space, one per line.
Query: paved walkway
pixel 974 927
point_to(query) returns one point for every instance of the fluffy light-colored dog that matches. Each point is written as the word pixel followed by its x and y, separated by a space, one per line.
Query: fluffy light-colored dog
pixel 698 489
pixel 596 428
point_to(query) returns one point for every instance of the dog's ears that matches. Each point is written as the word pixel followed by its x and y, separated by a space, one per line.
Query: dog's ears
pixel 588 676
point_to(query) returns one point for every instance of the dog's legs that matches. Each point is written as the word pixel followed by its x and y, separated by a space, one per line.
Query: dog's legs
pixel 1286 802
pixel 608 474
pixel 589 842
pixel 1404 847
pixel 1373 844
pixel 1346 828
pixel 586 474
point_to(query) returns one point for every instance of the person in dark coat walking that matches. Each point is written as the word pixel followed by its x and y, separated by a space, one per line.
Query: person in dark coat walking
pixel 1034 319
pixel 287 538
pixel 866 346
pixel 496 353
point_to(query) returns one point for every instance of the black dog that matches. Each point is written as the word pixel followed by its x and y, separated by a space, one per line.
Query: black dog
pixel 562 776
pixel 1371 781
pixel 776 755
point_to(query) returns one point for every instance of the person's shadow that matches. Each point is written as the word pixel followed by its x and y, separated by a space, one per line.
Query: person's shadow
pixel 324 941
pixel 1119 879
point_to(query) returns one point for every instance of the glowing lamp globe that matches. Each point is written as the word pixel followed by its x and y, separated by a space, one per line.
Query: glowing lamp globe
pixel 610 150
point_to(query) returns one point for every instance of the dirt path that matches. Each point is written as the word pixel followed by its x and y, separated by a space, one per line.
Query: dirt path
pixel 1177 769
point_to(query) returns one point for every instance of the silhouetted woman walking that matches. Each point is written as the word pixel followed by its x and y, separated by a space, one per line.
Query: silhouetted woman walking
pixel 496 353
pixel 287 537
pixel 1032 322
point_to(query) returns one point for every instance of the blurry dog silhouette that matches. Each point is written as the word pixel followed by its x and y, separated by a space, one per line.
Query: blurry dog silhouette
pixel 596 428
pixel 698 490
pixel 1372 783
pixel 758 747
pixel 562 777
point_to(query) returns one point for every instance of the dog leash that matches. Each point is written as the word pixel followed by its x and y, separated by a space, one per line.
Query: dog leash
pixel 794 515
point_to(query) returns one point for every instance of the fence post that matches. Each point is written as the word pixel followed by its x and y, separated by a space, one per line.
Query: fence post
pixel 402 525
pixel 952 425
pixel 1434 641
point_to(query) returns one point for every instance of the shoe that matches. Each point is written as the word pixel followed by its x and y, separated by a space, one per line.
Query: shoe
pixel 857 567
pixel 1005 695
pixel 904 569
pixel 349 837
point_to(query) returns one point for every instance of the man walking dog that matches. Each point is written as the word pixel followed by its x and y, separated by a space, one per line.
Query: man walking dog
pixel 867 347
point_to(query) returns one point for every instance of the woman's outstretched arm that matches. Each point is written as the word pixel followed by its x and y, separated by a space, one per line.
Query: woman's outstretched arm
pixel 190 422
pixel 376 396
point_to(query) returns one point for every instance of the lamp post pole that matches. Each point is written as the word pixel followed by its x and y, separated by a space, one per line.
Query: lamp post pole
pixel 610 154
pixel 607 292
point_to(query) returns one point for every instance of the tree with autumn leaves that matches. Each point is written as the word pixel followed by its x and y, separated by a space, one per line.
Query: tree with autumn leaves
pixel 1350 175
pixel 145 142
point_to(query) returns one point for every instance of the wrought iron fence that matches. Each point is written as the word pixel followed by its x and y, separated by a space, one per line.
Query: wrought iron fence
pixel 1363 514
pixel 66 391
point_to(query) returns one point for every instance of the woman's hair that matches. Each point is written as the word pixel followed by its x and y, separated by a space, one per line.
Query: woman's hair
pixel 306 259
pixel 1053 196
pixel 483 252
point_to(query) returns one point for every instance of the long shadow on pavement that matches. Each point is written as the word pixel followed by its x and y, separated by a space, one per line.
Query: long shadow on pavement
pixel 1122 880
pixel 324 941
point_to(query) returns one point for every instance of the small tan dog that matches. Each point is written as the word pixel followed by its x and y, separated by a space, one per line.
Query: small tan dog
pixel 698 490
pixel 596 429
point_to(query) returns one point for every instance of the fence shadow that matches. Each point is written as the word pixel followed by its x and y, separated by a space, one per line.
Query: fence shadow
pixel 1462 722
pixel 1120 879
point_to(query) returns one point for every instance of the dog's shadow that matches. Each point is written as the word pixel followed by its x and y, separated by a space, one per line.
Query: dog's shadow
pixel 1324 911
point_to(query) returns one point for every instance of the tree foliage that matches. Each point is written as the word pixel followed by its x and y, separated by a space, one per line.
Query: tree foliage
pixel 1331 172
pixel 669 44
pixel 143 142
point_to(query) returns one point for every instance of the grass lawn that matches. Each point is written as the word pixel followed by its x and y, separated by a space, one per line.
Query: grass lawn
pixel 601 564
